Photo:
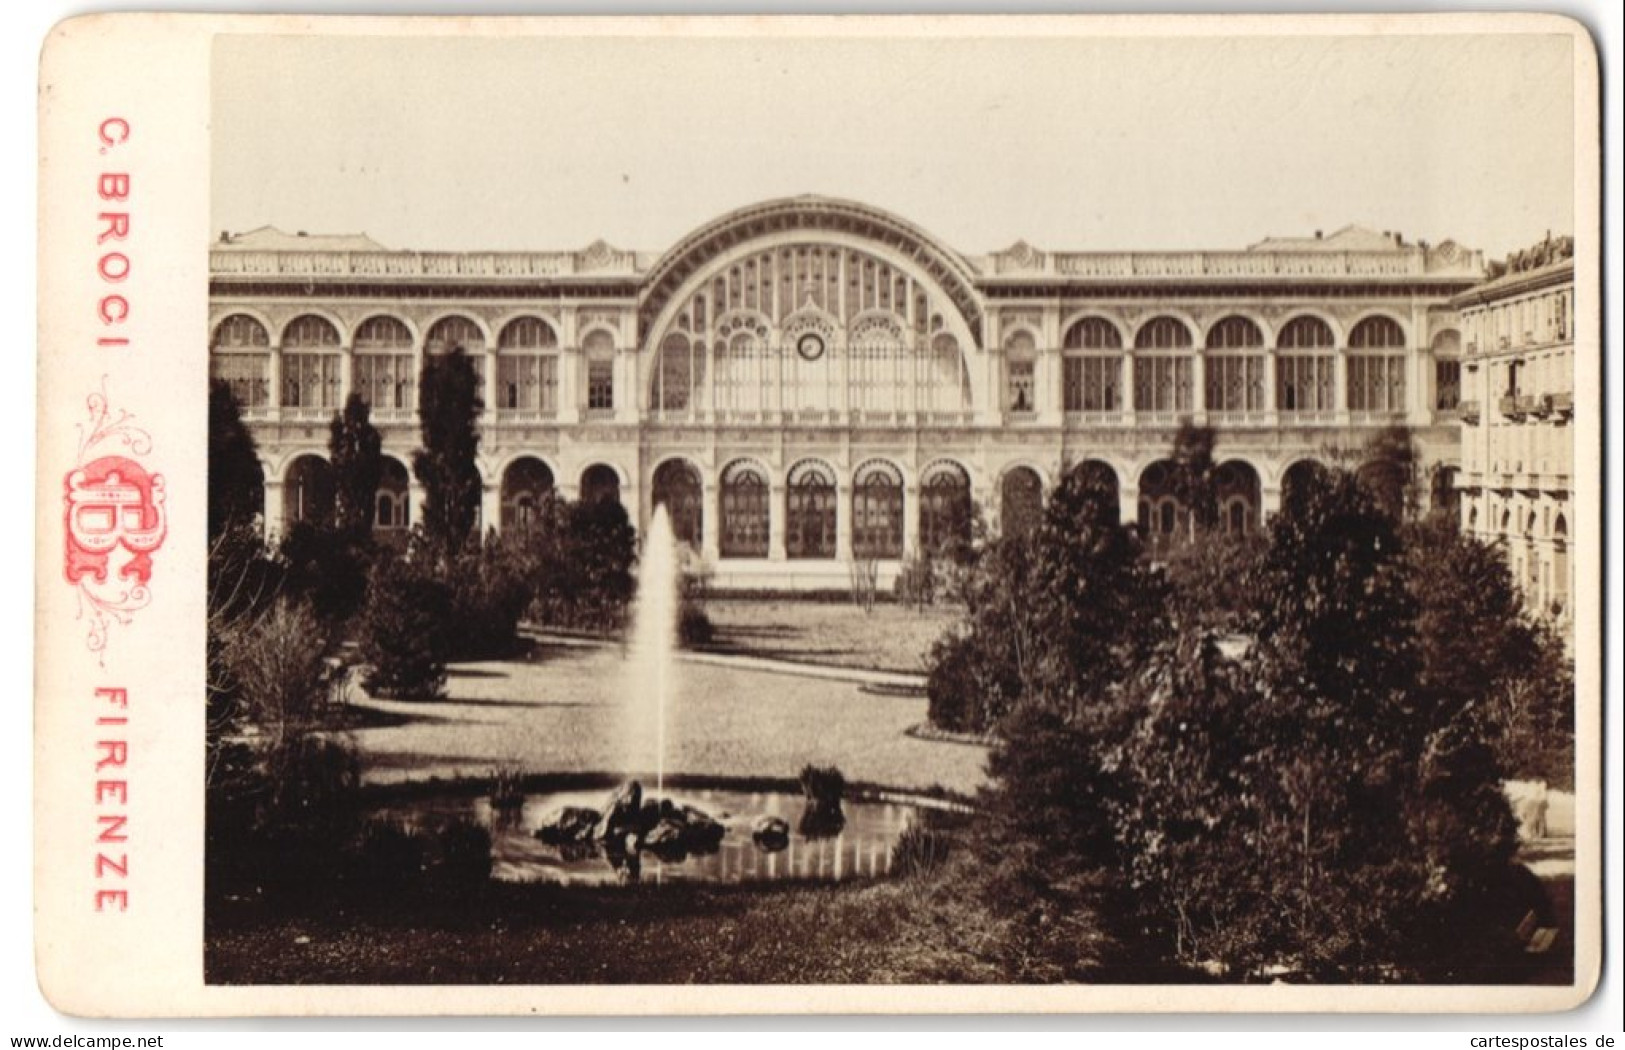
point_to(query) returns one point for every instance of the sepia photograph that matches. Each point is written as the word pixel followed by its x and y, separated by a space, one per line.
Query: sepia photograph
pixel 894 507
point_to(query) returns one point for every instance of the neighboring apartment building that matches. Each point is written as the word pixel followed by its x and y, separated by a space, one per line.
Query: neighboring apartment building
pixel 809 382
pixel 1517 438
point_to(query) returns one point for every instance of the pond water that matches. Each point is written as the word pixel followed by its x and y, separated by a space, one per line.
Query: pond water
pixel 862 849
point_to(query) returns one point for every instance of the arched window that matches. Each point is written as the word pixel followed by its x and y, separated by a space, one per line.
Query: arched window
pixel 1092 382
pixel 677 487
pixel 1021 501
pixel 945 509
pixel 1305 381
pixel 744 511
pixel 527 369
pixel 311 366
pixel 680 373
pixel 385 372
pixel 1306 333
pixel 308 491
pixel 1162 333
pixel 809 504
pixel 1377 380
pixel 451 332
pixel 1020 362
pixel 877 511
pixel 1092 333
pixel 948 388
pixel 241 358
pixel 1235 367
pixel 599 349
pixel 1239 493
pixel 526 483
pixel 448 333
pixel 600 483
pixel 393 501
pixel 1234 333
pixel 1377 333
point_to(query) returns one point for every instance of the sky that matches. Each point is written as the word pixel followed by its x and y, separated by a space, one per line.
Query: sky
pixel 1067 142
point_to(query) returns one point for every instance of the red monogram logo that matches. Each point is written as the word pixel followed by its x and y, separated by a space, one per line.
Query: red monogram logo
pixel 113 503
pixel 113 520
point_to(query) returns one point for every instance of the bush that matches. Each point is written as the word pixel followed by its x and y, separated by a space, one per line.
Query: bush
pixel 916 585
pixel 404 632
pixel 578 560
pixel 328 567
pixel 968 689
pixel 919 852
pixel 278 669
pixel 489 594
pixel 389 854
pixel 465 853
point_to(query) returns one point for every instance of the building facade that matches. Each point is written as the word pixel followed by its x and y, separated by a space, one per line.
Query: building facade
pixel 809 384
pixel 1517 438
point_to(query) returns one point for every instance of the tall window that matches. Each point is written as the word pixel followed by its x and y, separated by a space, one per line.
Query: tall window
pixel 241 358
pixel 1447 384
pixel 1376 379
pixel 1235 366
pixel 677 488
pixel 527 368
pixel 1020 361
pixel 877 511
pixel 526 484
pixel 809 520
pixel 1162 381
pixel 1305 378
pixel 385 371
pixel 744 511
pixel 679 375
pixel 311 365
pixel 599 349
pixel 945 508
pixel 1091 382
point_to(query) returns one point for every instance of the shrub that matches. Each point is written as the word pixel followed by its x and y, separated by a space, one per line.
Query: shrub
pixel 329 567
pixel 863 573
pixel 404 632
pixel 489 594
pixel 278 668
pixel 919 852
pixel 968 689
pixel 465 853
pixel 916 585
pixel 389 854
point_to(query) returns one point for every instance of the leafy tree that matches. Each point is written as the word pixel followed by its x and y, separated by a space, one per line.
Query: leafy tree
pixel 1313 799
pixel 355 450
pixel 578 560
pixel 405 630
pixel 236 481
pixel 1484 657
pixel 1194 484
pixel 449 407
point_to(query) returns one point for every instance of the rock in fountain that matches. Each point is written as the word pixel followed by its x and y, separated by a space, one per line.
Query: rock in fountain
pixel 771 834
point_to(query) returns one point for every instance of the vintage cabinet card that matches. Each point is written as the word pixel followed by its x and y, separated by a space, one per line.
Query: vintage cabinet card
pixel 628 515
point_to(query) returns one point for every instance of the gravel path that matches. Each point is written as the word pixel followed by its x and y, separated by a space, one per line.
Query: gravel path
pixel 564 709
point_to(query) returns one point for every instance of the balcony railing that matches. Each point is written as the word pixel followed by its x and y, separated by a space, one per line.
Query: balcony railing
pixel 1562 405
pixel 1510 407
pixel 1468 411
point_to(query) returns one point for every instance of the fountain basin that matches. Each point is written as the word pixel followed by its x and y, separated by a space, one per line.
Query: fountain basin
pixel 862 849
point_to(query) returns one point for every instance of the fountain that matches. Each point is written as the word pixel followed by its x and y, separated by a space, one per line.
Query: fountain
pixel 652 667
pixel 711 833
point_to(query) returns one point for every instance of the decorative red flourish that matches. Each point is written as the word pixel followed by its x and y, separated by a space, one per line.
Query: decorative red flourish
pixel 114 518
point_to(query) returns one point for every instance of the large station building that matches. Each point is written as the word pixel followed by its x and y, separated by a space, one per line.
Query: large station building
pixel 811 384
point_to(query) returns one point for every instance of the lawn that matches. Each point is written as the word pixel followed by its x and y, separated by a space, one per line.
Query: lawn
pixel 932 928
pixel 890 637
pixel 586 708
